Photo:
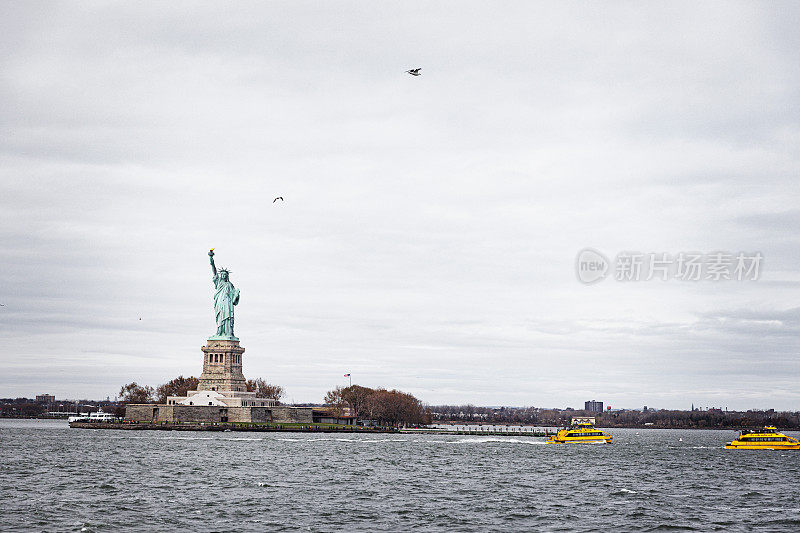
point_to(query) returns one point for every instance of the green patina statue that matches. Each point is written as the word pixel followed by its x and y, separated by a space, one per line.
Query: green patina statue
pixel 225 297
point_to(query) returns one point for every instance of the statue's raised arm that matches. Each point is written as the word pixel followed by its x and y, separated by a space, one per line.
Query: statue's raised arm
pixel 213 266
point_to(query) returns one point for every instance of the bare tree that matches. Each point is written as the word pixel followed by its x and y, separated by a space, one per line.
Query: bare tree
pixel 135 393
pixel 358 399
pixel 176 387
pixel 391 408
pixel 335 399
pixel 265 390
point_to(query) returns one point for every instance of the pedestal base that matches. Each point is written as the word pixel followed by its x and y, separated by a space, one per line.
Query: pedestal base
pixel 222 365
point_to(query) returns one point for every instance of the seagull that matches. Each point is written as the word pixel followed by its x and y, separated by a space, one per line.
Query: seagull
pixel 278 198
pixel 415 71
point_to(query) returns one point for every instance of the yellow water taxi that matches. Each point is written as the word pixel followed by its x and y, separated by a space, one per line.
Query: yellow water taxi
pixel 583 432
pixel 763 439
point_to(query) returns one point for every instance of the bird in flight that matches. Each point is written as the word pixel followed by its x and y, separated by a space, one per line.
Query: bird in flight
pixel 415 71
pixel 278 198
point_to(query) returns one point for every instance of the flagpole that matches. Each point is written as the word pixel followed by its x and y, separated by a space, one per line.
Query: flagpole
pixel 350 377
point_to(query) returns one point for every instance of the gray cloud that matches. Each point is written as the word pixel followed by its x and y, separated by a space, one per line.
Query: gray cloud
pixel 430 225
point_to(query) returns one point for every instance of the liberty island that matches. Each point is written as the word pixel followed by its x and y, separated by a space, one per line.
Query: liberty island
pixel 221 394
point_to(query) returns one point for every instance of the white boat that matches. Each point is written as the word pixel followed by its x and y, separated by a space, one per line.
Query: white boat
pixel 98 416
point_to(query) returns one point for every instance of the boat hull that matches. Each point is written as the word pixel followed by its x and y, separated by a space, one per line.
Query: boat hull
pixel 579 440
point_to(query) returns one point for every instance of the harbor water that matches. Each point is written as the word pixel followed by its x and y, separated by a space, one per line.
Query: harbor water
pixel 59 479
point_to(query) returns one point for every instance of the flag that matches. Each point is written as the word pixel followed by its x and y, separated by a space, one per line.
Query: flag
pixel 347 375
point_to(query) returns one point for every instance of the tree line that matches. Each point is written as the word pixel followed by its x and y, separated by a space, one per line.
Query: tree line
pixel 30 408
pixel 385 407
pixel 135 393
pixel 663 418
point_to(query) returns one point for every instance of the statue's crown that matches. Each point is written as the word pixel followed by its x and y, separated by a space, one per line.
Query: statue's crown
pixel 221 270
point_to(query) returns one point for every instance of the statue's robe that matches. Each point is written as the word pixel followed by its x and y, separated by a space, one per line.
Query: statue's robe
pixel 225 298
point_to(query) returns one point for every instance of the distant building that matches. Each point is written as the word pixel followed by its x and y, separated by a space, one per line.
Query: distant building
pixel 645 409
pixel 45 398
pixel 593 406
pixel 328 415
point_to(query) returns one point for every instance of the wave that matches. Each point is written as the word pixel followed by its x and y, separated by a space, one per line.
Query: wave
pixel 183 438
pixel 472 440
pixel 672 527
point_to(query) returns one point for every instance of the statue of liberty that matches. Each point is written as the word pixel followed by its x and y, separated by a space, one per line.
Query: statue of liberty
pixel 225 297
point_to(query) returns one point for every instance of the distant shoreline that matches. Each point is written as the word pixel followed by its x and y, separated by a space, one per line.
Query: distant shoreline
pixel 232 426
pixel 600 425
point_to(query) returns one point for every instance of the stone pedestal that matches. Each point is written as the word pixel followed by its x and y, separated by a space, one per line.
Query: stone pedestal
pixel 222 366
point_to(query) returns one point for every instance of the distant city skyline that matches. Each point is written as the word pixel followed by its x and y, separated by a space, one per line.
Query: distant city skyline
pixel 43 398
pixel 429 228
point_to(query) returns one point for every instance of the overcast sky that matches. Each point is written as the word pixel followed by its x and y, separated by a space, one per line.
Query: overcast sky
pixel 430 227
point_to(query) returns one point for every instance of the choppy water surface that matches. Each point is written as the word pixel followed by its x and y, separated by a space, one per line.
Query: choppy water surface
pixel 58 479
